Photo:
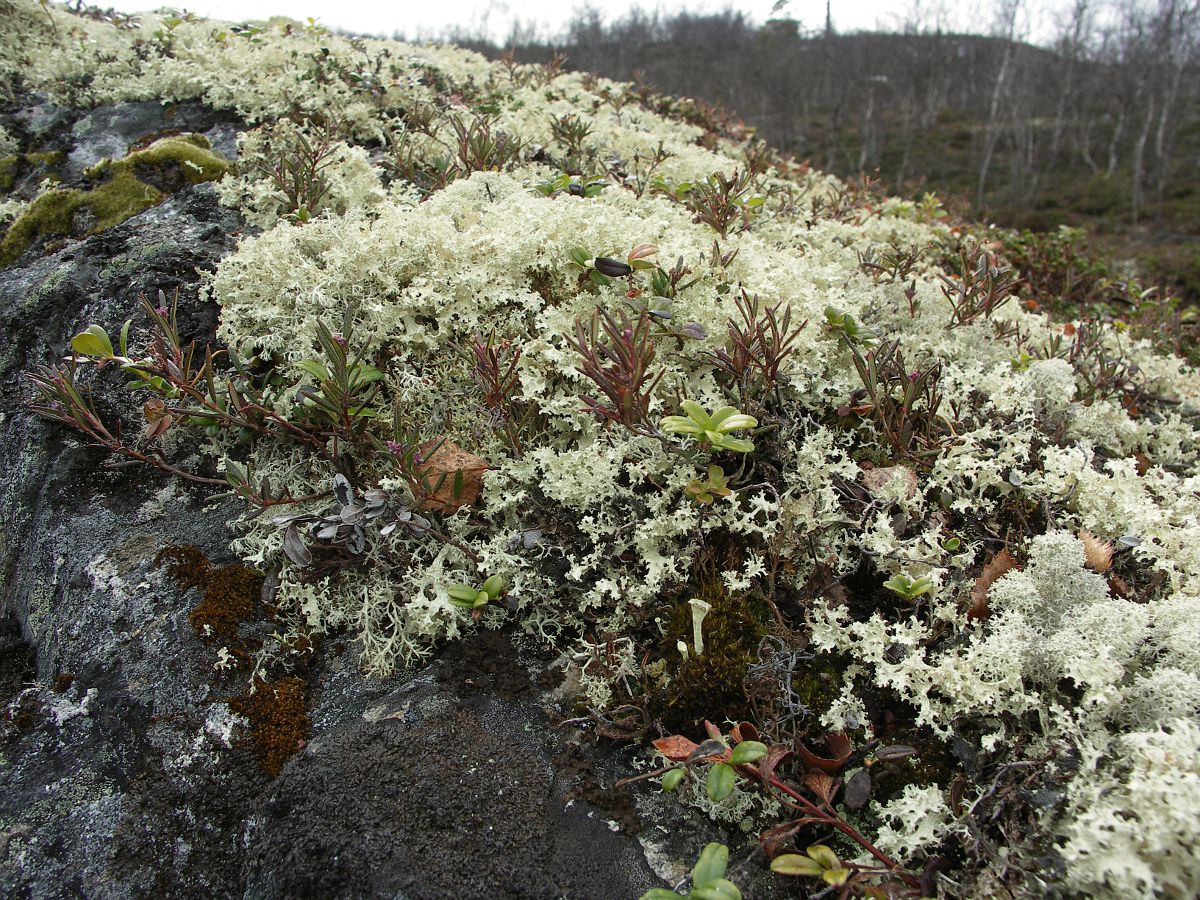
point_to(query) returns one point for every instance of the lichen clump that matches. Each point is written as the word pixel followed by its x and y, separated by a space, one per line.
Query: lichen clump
pixel 439 260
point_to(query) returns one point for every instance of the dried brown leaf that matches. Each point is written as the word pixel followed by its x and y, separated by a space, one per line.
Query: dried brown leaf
pixel 676 747
pixel 858 790
pixel 822 785
pixel 1000 564
pixel 1099 553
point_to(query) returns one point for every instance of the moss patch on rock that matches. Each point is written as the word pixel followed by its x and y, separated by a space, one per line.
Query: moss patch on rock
pixel 279 724
pixel 711 685
pixel 126 187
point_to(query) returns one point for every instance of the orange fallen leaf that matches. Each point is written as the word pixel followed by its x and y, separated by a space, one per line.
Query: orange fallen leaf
pixel 676 747
pixel 459 472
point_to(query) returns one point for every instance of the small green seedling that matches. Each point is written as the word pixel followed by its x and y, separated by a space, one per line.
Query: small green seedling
pixel 468 597
pixel 712 430
pixel 908 588
pixel 845 325
pixel 714 485
pixel 708 878
pixel 575 187
pixel 820 862
pixel 722 776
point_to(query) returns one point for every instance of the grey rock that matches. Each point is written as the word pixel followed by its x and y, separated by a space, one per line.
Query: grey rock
pixel 108 131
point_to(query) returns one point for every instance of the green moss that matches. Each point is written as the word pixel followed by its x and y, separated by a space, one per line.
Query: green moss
pixel 8 172
pixel 46 158
pixel 711 686
pixel 48 216
pixel 118 199
pixel 12 166
pixel 186 159
pixel 193 153
pixel 816 689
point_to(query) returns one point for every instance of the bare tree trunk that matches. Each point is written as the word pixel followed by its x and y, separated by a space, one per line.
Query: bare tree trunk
pixel 1071 48
pixel 1178 33
pixel 1114 144
pixel 1008 19
pixel 1139 153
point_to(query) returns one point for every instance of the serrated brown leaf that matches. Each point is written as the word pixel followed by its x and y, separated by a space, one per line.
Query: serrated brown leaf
pixel 1098 553
pixel 777 838
pixel 822 785
pixel 1000 564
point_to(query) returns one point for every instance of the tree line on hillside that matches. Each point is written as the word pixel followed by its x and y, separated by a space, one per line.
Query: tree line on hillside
pixel 1103 120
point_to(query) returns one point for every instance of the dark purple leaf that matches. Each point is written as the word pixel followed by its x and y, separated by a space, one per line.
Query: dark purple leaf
pixel 858 790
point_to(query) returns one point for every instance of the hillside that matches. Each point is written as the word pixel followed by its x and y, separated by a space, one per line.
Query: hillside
pixel 564 434
pixel 1098 129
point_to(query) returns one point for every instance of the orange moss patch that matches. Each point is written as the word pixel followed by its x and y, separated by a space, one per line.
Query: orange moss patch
pixel 229 600
pixel 279 723
pixel 186 563
pixel 230 592
pixel 276 711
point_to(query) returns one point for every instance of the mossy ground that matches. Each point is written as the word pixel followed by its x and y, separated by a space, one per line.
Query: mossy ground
pixel 711 685
pixel 279 723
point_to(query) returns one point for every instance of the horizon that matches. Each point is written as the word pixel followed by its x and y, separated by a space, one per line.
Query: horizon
pixel 548 21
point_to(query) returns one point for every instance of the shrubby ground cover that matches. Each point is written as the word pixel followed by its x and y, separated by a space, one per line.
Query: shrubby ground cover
pixel 937 550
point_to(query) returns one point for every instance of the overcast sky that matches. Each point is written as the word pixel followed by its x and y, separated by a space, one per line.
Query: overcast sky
pixel 430 18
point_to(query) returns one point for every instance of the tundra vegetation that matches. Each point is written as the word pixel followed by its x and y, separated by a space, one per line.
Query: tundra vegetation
pixel 889 555
pixel 1081 112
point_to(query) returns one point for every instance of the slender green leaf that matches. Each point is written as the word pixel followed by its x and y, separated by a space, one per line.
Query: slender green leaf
pixel 125 337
